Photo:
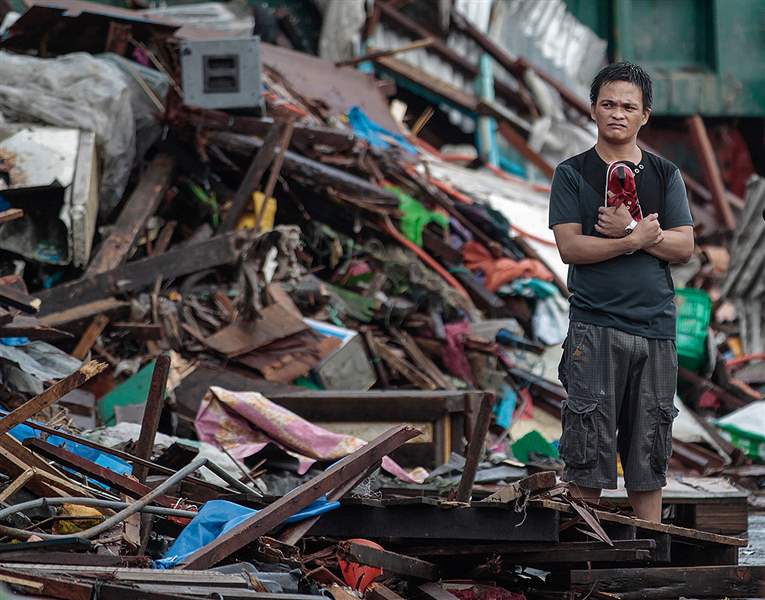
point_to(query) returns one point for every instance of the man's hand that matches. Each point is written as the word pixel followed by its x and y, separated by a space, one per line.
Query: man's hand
pixel 612 221
pixel 647 233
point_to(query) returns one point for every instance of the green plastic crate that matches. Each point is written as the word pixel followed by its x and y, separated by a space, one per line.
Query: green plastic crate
pixel 694 309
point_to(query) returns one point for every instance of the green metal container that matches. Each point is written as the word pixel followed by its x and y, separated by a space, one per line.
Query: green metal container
pixel 694 309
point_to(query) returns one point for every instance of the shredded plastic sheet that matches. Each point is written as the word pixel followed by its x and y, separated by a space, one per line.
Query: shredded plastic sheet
pixel 415 216
pixel 79 91
pixel 376 135
pixel 246 422
pixel 217 517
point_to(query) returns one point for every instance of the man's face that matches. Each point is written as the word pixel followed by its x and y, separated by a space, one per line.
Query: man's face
pixel 618 112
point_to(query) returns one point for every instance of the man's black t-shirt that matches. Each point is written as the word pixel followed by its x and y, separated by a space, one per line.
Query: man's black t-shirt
pixel 633 293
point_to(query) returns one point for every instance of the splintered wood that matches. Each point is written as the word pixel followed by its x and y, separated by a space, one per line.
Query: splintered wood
pixel 42 401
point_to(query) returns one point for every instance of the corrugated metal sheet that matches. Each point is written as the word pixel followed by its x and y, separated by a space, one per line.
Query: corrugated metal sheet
pixel 551 38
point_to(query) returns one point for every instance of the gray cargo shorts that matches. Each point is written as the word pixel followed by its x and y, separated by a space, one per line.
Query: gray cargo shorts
pixel 621 390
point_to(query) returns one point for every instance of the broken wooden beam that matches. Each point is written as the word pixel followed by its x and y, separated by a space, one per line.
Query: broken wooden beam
pixel 131 223
pixel 277 512
pixel 15 298
pixel 249 184
pixel 377 591
pixel 524 487
pixel 153 411
pixel 433 591
pixel 33 406
pixel 390 562
pixel 352 62
pixel 134 276
pixel 309 171
pixel 475 448
pixel 673 582
pixel 304 135
pixel 90 336
pixel 11 214
pixel 276 167
pixel 454 58
pixel 706 155
pixel 120 483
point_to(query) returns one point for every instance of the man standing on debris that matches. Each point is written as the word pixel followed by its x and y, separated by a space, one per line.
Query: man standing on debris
pixel 620 217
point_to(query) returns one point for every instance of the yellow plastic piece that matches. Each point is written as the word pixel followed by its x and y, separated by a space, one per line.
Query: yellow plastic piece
pixel 91 518
pixel 248 220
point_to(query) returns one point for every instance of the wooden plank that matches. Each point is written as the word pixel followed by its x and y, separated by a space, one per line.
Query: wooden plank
pixel 706 156
pixel 569 551
pixel 42 401
pixel 121 483
pixel 674 582
pixel 691 535
pixel 433 591
pixel 15 298
pixel 533 483
pixel 423 43
pixel 454 58
pixel 139 207
pixel 408 343
pixel 377 591
pixel 284 142
pixel 54 587
pixel 136 275
pixel 70 318
pixel 312 172
pixel 453 95
pixel 402 366
pixel 90 336
pixel 275 514
pixel 434 523
pixel 251 180
pixel 11 214
pixel 154 403
pixel 390 562
pixel 475 448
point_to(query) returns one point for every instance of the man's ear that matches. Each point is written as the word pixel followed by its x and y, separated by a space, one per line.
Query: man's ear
pixel 592 111
pixel 646 116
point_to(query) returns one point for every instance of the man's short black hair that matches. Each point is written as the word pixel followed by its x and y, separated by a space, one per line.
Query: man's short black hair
pixel 623 71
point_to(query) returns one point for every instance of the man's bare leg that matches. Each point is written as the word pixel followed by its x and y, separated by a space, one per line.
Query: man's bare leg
pixel 647 505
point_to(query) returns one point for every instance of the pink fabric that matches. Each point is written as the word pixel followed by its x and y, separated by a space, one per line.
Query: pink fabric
pixel 245 422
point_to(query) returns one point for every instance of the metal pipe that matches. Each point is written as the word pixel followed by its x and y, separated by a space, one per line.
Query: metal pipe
pixel 131 509
pixel 230 479
pixel 97 502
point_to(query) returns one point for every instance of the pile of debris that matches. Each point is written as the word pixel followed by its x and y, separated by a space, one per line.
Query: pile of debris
pixel 260 340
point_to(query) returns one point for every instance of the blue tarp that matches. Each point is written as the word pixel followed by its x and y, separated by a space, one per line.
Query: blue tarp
pixel 375 134
pixel 22 432
pixel 217 517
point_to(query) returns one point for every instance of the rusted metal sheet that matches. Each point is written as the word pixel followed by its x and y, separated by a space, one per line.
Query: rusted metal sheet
pixel 275 514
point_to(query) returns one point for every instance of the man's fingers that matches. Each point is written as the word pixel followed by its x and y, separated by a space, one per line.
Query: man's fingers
pixel 653 217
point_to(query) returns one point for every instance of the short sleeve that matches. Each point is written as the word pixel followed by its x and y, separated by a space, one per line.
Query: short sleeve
pixel 676 210
pixel 564 197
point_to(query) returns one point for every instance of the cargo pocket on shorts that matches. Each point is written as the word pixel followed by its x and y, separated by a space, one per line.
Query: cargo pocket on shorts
pixel 562 366
pixel 579 440
pixel 662 439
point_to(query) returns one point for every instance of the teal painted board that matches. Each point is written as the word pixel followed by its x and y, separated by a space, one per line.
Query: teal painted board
pixel 133 390
pixel 705 56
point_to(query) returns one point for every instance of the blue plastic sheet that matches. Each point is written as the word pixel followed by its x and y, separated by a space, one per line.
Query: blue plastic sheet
pixel 216 518
pixel 503 410
pixel 22 432
pixel 375 134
